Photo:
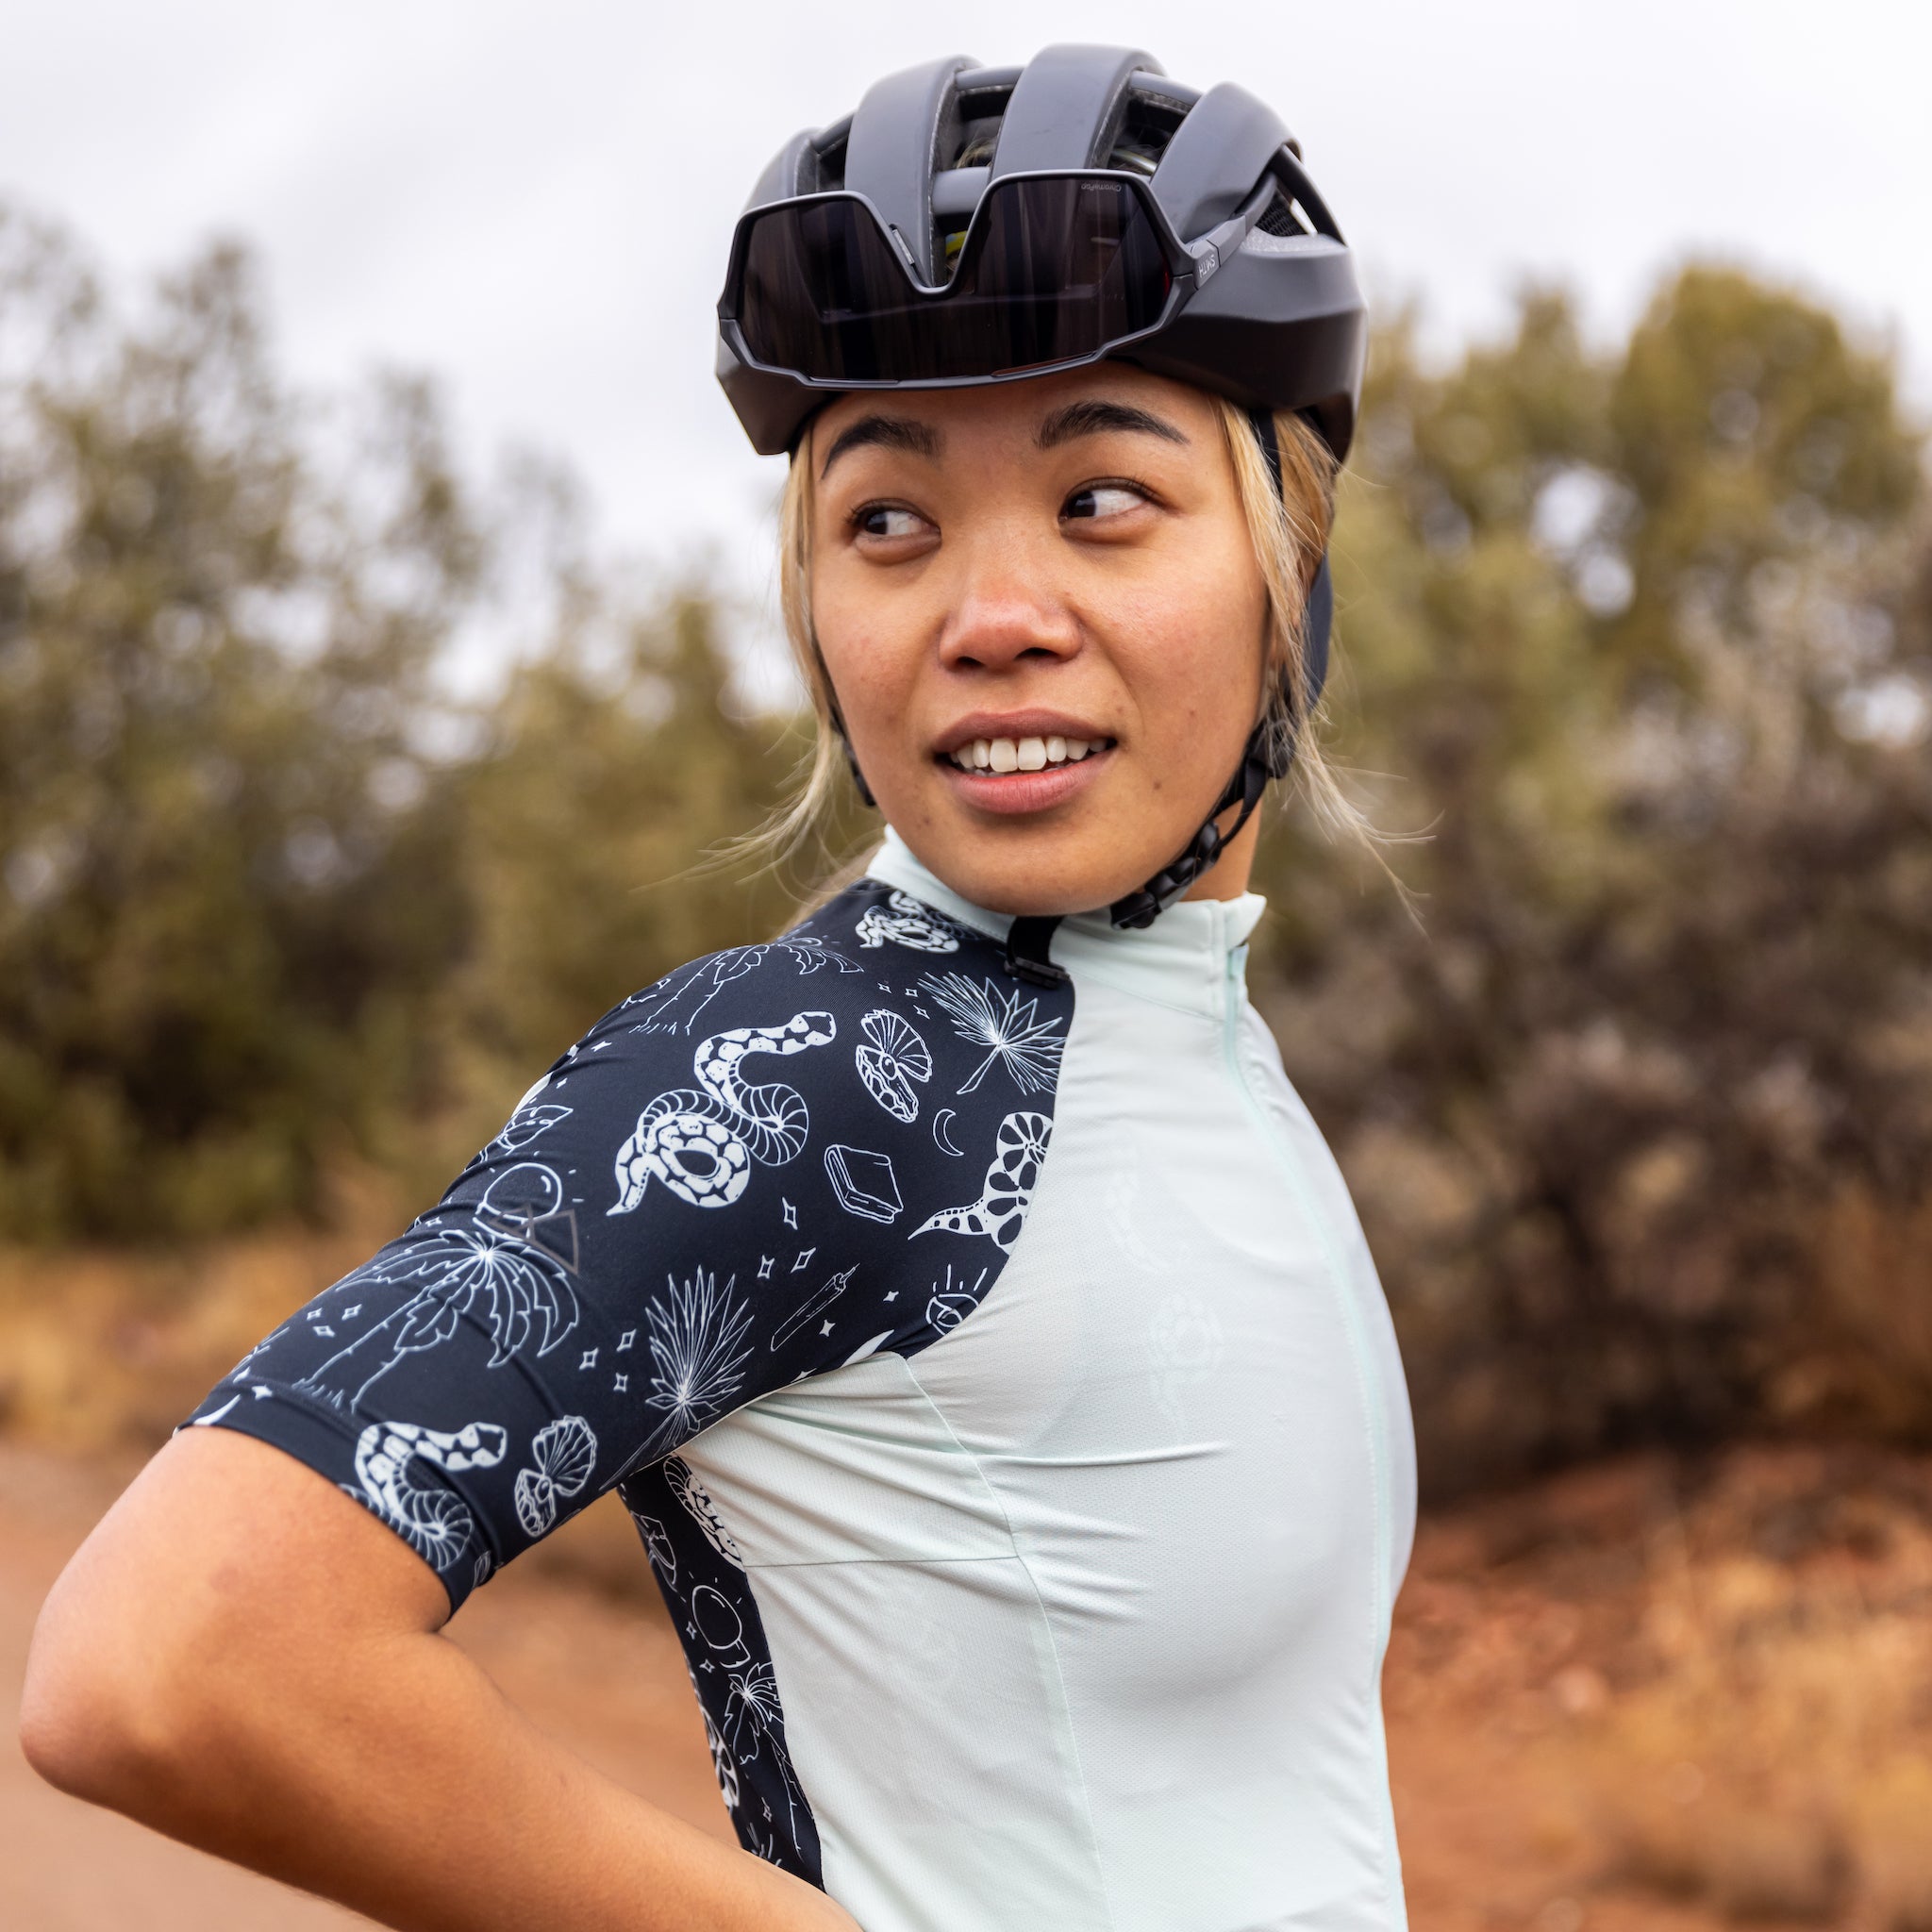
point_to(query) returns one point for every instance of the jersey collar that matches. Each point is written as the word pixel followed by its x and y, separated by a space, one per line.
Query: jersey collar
pixel 1188 958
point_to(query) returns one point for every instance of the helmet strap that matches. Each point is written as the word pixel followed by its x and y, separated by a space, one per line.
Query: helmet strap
pixel 857 777
pixel 845 742
pixel 1268 754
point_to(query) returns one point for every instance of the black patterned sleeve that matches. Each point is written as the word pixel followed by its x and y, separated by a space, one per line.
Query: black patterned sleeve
pixel 776 1160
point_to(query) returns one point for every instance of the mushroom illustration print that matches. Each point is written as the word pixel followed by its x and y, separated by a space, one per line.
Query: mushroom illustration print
pixel 1007 1190
pixel 562 1454
pixel 701 1144
pixel 890 1059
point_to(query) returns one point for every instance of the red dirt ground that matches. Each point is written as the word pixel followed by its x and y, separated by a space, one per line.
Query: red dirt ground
pixel 1515 1632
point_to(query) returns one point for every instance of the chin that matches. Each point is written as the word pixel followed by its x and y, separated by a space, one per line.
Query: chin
pixel 1035 878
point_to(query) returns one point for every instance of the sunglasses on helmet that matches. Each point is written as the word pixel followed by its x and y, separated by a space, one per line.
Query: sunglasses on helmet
pixel 1054 269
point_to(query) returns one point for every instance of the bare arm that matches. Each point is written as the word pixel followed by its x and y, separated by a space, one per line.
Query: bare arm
pixel 242 1657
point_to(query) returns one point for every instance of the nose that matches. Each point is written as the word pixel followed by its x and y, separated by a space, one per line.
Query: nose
pixel 1004 611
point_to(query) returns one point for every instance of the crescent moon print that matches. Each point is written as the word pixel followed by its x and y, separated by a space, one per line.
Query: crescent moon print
pixel 1003 1201
pixel 701 1145
pixel 890 1060
pixel 908 922
pixel 942 1132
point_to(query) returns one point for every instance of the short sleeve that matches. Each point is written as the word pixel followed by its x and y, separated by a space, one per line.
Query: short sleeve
pixel 776 1160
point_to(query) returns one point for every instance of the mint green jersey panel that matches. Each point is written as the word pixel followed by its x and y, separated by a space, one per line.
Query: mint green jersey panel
pixel 1077 1614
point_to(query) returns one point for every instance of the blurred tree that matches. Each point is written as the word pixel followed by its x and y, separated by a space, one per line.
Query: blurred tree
pixel 225 877
pixel 1644 635
pixel 618 759
pixel 1640 1118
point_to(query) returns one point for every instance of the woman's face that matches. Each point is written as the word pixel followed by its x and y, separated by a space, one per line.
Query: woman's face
pixel 1004 577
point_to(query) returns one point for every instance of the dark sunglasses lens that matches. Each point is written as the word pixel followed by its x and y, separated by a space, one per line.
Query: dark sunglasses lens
pixel 1054 270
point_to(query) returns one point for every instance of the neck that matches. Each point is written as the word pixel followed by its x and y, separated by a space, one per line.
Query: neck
pixel 1228 876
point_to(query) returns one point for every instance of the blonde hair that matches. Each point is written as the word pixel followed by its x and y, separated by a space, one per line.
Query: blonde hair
pixel 1290 533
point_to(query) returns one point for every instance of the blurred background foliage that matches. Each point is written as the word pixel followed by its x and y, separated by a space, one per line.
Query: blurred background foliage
pixel 1637 638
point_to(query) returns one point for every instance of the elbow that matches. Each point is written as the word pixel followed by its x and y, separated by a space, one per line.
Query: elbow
pixel 86 1730
pixel 102 1714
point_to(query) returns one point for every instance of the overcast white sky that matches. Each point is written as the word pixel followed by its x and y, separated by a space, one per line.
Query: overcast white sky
pixel 536 201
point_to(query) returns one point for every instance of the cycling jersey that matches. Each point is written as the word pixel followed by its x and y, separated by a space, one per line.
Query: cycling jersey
pixel 1000 1383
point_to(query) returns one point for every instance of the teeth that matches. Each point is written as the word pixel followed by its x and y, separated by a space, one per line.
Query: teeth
pixel 1002 755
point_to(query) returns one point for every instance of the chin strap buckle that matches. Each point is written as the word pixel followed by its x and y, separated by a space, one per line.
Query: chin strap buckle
pixel 1027 958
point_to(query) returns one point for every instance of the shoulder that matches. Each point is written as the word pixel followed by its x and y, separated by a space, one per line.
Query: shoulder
pixel 873 1069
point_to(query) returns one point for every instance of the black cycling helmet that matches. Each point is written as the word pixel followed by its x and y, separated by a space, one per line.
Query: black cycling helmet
pixel 846 266
pixel 972 225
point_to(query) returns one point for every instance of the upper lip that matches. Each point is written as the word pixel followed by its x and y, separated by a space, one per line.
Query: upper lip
pixel 1015 724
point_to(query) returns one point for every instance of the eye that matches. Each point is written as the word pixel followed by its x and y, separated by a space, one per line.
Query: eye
pixel 1097 502
pixel 888 521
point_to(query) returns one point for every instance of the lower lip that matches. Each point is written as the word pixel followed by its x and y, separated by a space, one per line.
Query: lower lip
pixel 1016 793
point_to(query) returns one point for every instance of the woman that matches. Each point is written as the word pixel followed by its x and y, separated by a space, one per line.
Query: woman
pixel 960 1300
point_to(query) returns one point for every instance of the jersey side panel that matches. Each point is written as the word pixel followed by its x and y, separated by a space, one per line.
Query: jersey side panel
pixel 929 1722
pixel 1160 1391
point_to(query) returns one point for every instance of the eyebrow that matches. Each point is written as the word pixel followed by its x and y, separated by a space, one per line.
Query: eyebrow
pixel 1095 418
pixel 888 432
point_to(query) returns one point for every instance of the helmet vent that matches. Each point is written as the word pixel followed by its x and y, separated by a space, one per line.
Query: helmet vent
pixel 1283 217
pixel 830 171
pixel 1146 129
pixel 980 101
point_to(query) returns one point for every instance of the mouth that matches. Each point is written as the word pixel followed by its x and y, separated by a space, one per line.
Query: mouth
pixel 1001 757
pixel 1015 765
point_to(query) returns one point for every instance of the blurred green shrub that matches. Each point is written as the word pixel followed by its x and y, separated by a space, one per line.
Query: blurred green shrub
pixel 1638 1113
pixel 224 887
pixel 1642 636
pixel 267 895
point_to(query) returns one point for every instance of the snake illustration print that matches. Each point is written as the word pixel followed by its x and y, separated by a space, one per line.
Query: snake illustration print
pixel 434 1521
pixel 701 1144
pixel 1001 1209
pixel 905 921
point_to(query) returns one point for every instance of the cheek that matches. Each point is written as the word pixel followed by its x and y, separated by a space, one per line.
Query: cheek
pixel 870 644
pixel 1190 653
